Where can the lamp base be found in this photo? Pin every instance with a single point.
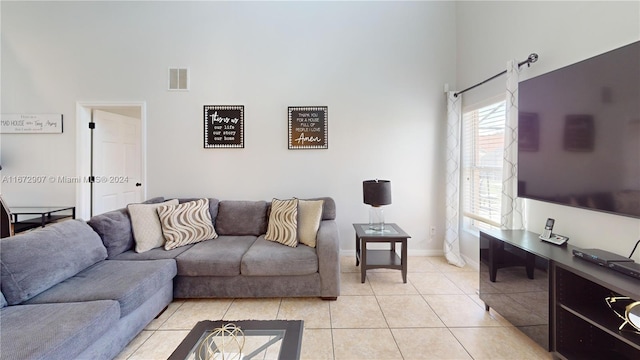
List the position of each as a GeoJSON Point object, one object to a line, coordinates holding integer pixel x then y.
{"type": "Point", "coordinates": [376, 218]}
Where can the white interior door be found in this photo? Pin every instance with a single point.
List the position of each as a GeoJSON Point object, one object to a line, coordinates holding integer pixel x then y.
{"type": "Point", "coordinates": [117, 165]}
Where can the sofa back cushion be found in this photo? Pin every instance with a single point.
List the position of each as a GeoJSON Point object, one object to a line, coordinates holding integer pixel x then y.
{"type": "Point", "coordinates": [35, 261]}
{"type": "Point", "coordinates": [114, 228]}
{"type": "Point", "coordinates": [241, 218]}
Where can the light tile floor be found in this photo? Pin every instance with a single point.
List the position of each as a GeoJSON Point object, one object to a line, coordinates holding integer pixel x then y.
{"type": "Point", "coordinates": [437, 314]}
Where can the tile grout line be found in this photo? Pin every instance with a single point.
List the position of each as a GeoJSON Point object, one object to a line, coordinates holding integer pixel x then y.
{"type": "Point", "coordinates": [439, 318]}
{"type": "Point", "coordinates": [388, 326]}
{"type": "Point", "coordinates": [459, 342]}
{"type": "Point", "coordinates": [440, 270]}
{"type": "Point", "coordinates": [333, 344]}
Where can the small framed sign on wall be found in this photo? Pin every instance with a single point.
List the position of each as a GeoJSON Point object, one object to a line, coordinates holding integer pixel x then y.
{"type": "Point", "coordinates": [224, 126]}
{"type": "Point", "coordinates": [308, 127]}
{"type": "Point", "coordinates": [31, 124]}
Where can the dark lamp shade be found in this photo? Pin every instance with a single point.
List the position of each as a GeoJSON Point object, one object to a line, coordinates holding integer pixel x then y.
{"type": "Point", "coordinates": [376, 192]}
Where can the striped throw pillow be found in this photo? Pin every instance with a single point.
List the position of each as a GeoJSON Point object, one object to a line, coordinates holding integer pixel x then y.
{"type": "Point", "coordinates": [283, 222]}
{"type": "Point", "coordinates": [186, 223]}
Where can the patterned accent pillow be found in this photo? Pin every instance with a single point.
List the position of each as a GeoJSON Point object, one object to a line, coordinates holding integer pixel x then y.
{"type": "Point", "coordinates": [147, 231]}
{"type": "Point", "coordinates": [186, 223]}
{"type": "Point", "coordinates": [309, 215]}
{"type": "Point", "coordinates": [283, 222]}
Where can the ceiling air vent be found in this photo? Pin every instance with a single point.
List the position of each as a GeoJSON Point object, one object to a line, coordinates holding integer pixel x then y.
{"type": "Point", "coordinates": [178, 79]}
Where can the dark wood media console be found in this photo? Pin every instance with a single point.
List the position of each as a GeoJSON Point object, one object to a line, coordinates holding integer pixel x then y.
{"type": "Point", "coordinates": [555, 298]}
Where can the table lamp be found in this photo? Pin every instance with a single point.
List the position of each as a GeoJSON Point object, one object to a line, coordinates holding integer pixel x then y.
{"type": "Point", "coordinates": [376, 193]}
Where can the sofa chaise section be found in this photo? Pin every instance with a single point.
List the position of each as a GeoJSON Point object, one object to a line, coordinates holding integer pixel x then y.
{"type": "Point", "coordinates": [130, 283]}
{"type": "Point", "coordinates": [102, 304]}
{"type": "Point", "coordinates": [54, 331]}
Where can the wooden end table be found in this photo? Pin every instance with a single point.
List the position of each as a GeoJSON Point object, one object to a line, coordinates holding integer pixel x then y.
{"type": "Point", "coordinates": [381, 259]}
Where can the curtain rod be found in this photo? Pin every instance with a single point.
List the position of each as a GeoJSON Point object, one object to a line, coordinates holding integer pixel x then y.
{"type": "Point", "coordinates": [533, 57]}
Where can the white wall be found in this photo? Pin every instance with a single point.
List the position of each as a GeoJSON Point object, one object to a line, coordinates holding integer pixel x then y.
{"type": "Point", "coordinates": [378, 66]}
{"type": "Point", "coordinates": [561, 33]}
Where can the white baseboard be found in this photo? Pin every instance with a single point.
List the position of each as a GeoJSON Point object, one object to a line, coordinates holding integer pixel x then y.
{"type": "Point", "coordinates": [471, 263]}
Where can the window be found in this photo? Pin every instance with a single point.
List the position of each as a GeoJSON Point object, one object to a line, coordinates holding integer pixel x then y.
{"type": "Point", "coordinates": [482, 156]}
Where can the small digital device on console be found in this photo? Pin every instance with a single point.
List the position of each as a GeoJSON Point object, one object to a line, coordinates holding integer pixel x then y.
{"type": "Point", "coordinates": [548, 229]}
{"type": "Point", "coordinates": [548, 235]}
{"type": "Point", "coordinates": [600, 257]}
{"type": "Point", "coordinates": [628, 268]}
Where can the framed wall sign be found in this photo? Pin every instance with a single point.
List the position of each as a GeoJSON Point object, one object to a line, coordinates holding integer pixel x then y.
{"type": "Point", "coordinates": [308, 127]}
{"type": "Point", "coordinates": [31, 124]}
{"type": "Point", "coordinates": [224, 126]}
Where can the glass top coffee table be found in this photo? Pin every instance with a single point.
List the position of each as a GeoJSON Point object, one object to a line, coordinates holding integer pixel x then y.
{"type": "Point", "coordinates": [268, 339]}
{"type": "Point", "coordinates": [46, 215]}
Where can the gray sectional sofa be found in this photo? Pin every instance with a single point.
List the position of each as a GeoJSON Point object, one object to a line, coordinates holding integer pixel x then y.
{"type": "Point", "coordinates": [78, 290]}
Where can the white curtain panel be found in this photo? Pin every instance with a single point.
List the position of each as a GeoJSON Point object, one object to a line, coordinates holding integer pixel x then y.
{"type": "Point", "coordinates": [512, 213]}
{"type": "Point", "coordinates": [452, 231]}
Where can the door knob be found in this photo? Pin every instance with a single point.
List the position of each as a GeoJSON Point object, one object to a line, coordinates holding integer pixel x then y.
{"type": "Point", "coordinates": [138, 184]}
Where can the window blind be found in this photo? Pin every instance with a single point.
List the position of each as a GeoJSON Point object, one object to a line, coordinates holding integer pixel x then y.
{"type": "Point", "coordinates": [482, 152]}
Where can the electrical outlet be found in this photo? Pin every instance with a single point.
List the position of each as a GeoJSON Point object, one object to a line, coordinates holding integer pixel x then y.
{"type": "Point", "coordinates": [433, 231]}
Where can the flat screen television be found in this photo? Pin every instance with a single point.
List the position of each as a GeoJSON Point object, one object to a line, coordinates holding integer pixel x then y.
{"type": "Point", "coordinates": [579, 134]}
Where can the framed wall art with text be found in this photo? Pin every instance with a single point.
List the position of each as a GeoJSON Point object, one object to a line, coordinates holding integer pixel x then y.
{"type": "Point", "coordinates": [224, 126]}
{"type": "Point", "coordinates": [308, 127]}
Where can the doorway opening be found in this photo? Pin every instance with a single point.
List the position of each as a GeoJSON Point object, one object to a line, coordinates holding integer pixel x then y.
{"type": "Point", "coordinates": [110, 156]}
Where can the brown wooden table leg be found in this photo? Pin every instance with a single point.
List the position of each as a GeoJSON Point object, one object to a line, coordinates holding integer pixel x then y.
{"type": "Point", "coordinates": [404, 260]}
{"type": "Point", "coordinates": [357, 250]}
{"type": "Point", "coordinates": [363, 266]}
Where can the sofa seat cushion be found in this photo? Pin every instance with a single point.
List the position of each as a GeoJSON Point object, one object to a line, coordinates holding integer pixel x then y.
{"type": "Point", "coordinates": [131, 283]}
{"type": "Point", "coordinates": [268, 258]}
{"type": "Point", "coordinates": [217, 257]}
{"type": "Point", "coordinates": [54, 331]}
{"type": "Point", "coordinates": [35, 261]}
{"type": "Point", "coordinates": [153, 254]}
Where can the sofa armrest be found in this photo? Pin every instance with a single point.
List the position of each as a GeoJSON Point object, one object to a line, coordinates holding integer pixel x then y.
{"type": "Point", "coordinates": [328, 250]}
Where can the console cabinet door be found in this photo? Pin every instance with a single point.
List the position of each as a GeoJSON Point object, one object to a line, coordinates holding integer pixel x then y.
{"type": "Point", "coordinates": [515, 283]}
